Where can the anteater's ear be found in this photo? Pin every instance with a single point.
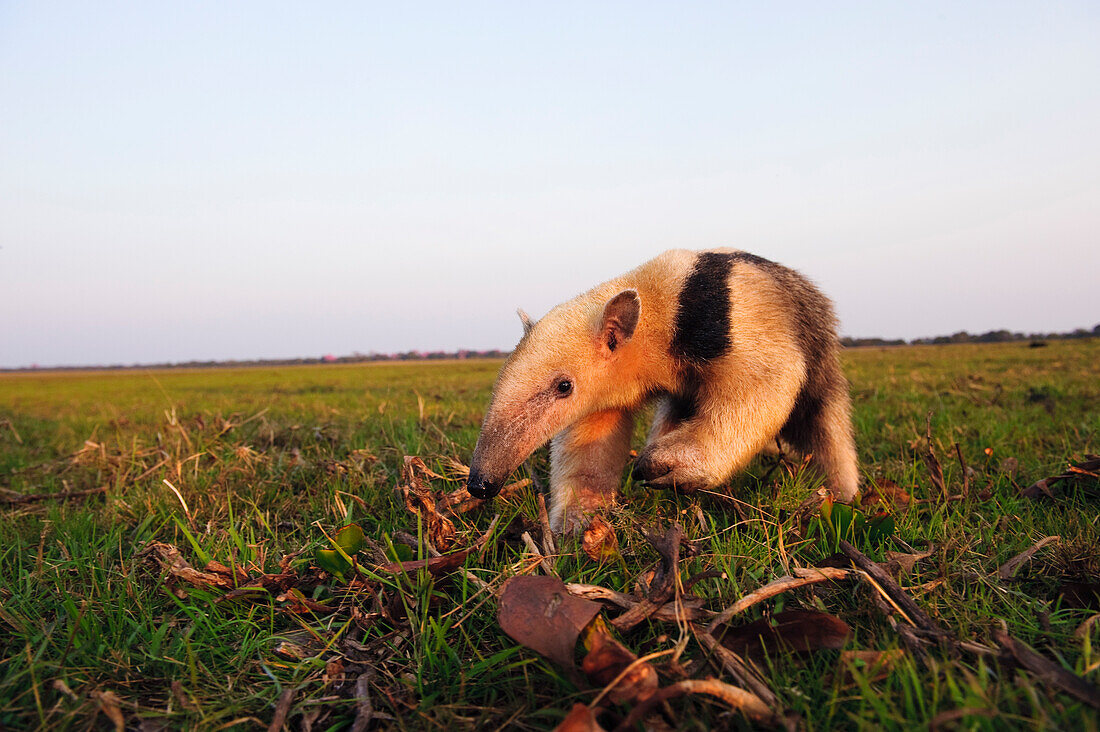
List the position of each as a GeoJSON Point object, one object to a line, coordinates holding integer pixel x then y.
{"type": "Point", "coordinates": [620, 318]}
{"type": "Point", "coordinates": [524, 318]}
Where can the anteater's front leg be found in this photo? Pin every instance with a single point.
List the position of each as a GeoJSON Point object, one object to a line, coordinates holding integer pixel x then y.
{"type": "Point", "coordinates": [586, 464]}
{"type": "Point", "coordinates": [730, 421]}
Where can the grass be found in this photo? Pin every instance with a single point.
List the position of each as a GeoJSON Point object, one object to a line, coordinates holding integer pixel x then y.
{"type": "Point", "coordinates": [269, 460]}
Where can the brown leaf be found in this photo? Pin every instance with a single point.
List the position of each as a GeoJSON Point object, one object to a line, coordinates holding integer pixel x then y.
{"type": "Point", "coordinates": [607, 658]}
{"type": "Point", "coordinates": [791, 630]}
{"type": "Point", "coordinates": [1089, 468]}
{"type": "Point", "coordinates": [580, 719]}
{"type": "Point", "coordinates": [599, 541]}
{"type": "Point", "coordinates": [298, 603]}
{"type": "Point", "coordinates": [886, 492]}
{"type": "Point", "coordinates": [292, 651]}
{"type": "Point", "coordinates": [170, 559]}
{"type": "Point", "coordinates": [538, 612]}
{"type": "Point", "coordinates": [419, 499]}
{"type": "Point", "coordinates": [435, 565]}
{"type": "Point", "coordinates": [873, 665]}
{"type": "Point", "coordinates": [108, 703]}
{"type": "Point", "coordinates": [334, 672]}
{"type": "Point", "coordinates": [899, 564]}
{"type": "Point", "coordinates": [1009, 569]}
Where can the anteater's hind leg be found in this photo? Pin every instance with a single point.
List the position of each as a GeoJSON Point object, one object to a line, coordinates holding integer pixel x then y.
{"type": "Point", "coordinates": [821, 425]}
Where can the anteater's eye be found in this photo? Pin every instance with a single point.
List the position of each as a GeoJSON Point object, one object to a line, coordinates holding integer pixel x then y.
{"type": "Point", "coordinates": [564, 387]}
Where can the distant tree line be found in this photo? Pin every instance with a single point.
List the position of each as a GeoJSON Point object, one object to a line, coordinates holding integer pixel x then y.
{"type": "Point", "coordinates": [304, 361]}
{"type": "Point", "coordinates": [993, 336]}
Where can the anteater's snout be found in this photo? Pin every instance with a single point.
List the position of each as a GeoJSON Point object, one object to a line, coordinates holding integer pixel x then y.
{"type": "Point", "coordinates": [481, 487]}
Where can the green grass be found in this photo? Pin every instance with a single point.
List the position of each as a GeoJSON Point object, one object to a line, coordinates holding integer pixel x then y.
{"type": "Point", "coordinates": [266, 458]}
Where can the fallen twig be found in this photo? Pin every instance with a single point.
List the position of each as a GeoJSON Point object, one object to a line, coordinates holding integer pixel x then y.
{"type": "Point", "coordinates": [1048, 671]}
{"type": "Point", "coordinates": [893, 591]}
{"type": "Point", "coordinates": [286, 699]}
{"type": "Point", "coordinates": [688, 610]}
{"type": "Point", "coordinates": [802, 576]}
{"type": "Point", "coordinates": [548, 544]}
{"type": "Point", "coordinates": [7, 423]}
{"type": "Point", "coordinates": [21, 498]}
{"type": "Point", "coordinates": [439, 563]}
{"type": "Point", "coordinates": [547, 567]}
{"type": "Point", "coordinates": [935, 470]}
{"type": "Point", "coordinates": [965, 470]}
{"type": "Point", "coordinates": [743, 701]}
{"type": "Point", "coordinates": [364, 710]}
{"type": "Point", "coordinates": [460, 500]}
{"type": "Point", "coordinates": [664, 579]}
{"type": "Point", "coordinates": [741, 670]}
{"type": "Point", "coordinates": [1008, 569]}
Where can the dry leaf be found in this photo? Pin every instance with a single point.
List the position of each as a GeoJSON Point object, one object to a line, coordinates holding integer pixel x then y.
{"type": "Point", "coordinates": [171, 560]}
{"type": "Point", "coordinates": [108, 703]}
{"type": "Point", "coordinates": [435, 565]}
{"type": "Point", "coordinates": [791, 630]}
{"type": "Point", "coordinates": [538, 612]}
{"type": "Point", "coordinates": [899, 564]}
{"type": "Point", "coordinates": [1085, 469]}
{"type": "Point", "coordinates": [420, 499]}
{"type": "Point", "coordinates": [607, 658]}
{"type": "Point", "coordinates": [292, 651]}
{"type": "Point", "coordinates": [886, 492]}
{"type": "Point", "coordinates": [873, 665]}
{"type": "Point", "coordinates": [580, 719]}
{"type": "Point", "coordinates": [599, 541]}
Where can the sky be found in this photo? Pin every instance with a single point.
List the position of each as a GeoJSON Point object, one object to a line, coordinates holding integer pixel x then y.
{"type": "Point", "coordinates": [245, 180]}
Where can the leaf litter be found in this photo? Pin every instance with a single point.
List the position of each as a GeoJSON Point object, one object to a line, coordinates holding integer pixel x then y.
{"type": "Point", "coordinates": [551, 617]}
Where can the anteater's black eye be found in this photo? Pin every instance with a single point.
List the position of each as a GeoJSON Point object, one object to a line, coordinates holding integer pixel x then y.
{"type": "Point", "coordinates": [565, 387]}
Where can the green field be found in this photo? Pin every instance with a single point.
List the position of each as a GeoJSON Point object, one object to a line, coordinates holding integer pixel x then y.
{"type": "Point", "coordinates": [272, 461]}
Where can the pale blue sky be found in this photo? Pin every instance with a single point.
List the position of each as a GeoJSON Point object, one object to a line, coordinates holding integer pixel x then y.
{"type": "Point", "coordinates": [240, 180]}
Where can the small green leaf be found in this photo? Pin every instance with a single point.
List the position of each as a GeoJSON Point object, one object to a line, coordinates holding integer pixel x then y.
{"type": "Point", "coordinates": [351, 538]}
{"type": "Point", "coordinates": [332, 562]}
{"type": "Point", "coordinates": [880, 528]}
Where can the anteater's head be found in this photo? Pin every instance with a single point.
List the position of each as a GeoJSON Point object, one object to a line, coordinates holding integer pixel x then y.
{"type": "Point", "coordinates": [568, 365]}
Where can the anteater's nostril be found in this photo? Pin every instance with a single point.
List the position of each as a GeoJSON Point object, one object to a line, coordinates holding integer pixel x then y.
{"type": "Point", "coordinates": [479, 487]}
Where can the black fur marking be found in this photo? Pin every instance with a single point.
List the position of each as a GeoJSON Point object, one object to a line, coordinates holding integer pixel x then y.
{"type": "Point", "coordinates": [682, 407]}
{"type": "Point", "coordinates": [703, 332]}
{"type": "Point", "coordinates": [803, 422]}
{"type": "Point", "coordinates": [814, 327]}
{"type": "Point", "coordinates": [703, 313]}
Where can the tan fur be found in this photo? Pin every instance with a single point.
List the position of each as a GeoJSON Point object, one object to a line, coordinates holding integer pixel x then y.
{"type": "Point", "coordinates": [741, 401]}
